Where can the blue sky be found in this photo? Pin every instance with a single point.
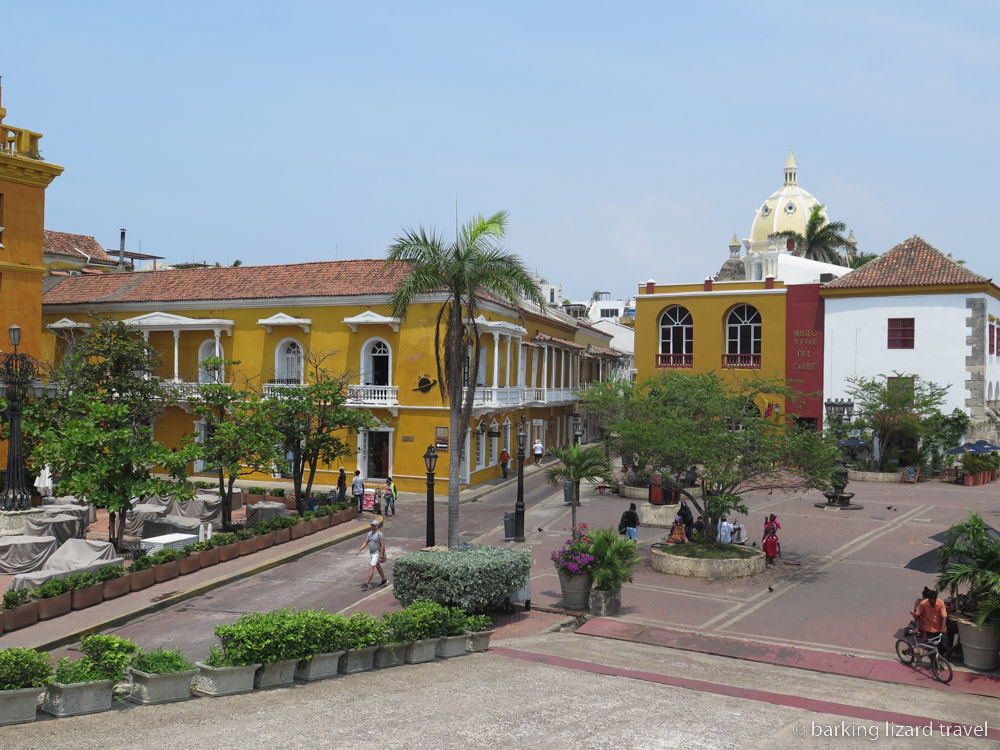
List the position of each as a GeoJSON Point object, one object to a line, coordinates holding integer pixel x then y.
{"type": "Point", "coordinates": [627, 140]}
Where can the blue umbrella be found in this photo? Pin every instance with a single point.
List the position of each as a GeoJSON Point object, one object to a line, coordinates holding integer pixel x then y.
{"type": "Point", "coordinates": [987, 445]}
{"type": "Point", "coordinates": [964, 448]}
{"type": "Point", "coordinates": [853, 442]}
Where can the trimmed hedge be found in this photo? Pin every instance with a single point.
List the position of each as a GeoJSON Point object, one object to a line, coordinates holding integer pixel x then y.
{"type": "Point", "coordinates": [475, 578]}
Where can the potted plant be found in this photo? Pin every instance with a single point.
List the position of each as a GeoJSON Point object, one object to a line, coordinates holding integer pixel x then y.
{"type": "Point", "coordinates": [308, 523]}
{"type": "Point", "coordinates": [210, 554]}
{"type": "Point", "coordinates": [190, 560]}
{"type": "Point", "coordinates": [401, 630]}
{"type": "Point", "coordinates": [456, 634]}
{"type": "Point", "coordinates": [295, 527]}
{"type": "Point", "coordinates": [573, 564]}
{"type": "Point", "coordinates": [970, 559]}
{"type": "Point", "coordinates": [326, 635]}
{"type": "Point", "coordinates": [363, 634]}
{"type": "Point", "coordinates": [246, 542]}
{"type": "Point", "coordinates": [114, 579]}
{"type": "Point", "coordinates": [221, 674]}
{"type": "Point", "coordinates": [165, 565]}
{"type": "Point", "coordinates": [429, 625]}
{"type": "Point", "coordinates": [54, 598]}
{"type": "Point", "coordinates": [254, 495]}
{"type": "Point", "coordinates": [141, 574]}
{"type": "Point", "coordinates": [480, 629]}
{"type": "Point", "coordinates": [615, 558]}
{"type": "Point", "coordinates": [87, 590]}
{"type": "Point", "coordinates": [346, 510]}
{"type": "Point", "coordinates": [263, 535]}
{"type": "Point", "coordinates": [20, 610]}
{"type": "Point", "coordinates": [282, 533]}
{"type": "Point", "coordinates": [85, 686]}
{"type": "Point", "coordinates": [267, 639]}
{"type": "Point", "coordinates": [227, 546]}
{"type": "Point", "coordinates": [322, 517]}
{"type": "Point", "coordinates": [161, 676]}
{"type": "Point", "coordinates": [24, 675]}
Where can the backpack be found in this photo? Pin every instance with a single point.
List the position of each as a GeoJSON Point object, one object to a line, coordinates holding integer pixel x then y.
{"type": "Point", "coordinates": [622, 524]}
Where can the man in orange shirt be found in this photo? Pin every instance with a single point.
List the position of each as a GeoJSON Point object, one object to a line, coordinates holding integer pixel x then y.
{"type": "Point", "coordinates": [934, 615]}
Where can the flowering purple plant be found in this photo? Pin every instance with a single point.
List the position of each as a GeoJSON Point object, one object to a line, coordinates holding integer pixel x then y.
{"type": "Point", "coordinates": [574, 558]}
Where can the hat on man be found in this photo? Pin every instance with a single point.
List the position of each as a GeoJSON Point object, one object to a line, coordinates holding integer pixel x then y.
{"type": "Point", "coordinates": [374, 522]}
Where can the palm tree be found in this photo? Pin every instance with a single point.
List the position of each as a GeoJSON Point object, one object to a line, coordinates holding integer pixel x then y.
{"type": "Point", "coordinates": [822, 240]}
{"type": "Point", "coordinates": [862, 258]}
{"type": "Point", "coordinates": [474, 264]}
{"type": "Point", "coordinates": [578, 464]}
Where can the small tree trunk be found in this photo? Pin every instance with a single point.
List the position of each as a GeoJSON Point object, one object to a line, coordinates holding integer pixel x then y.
{"type": "Point", "coordinates": [576, 501]}
{"type": "Point", "coordinates": [111, 527]}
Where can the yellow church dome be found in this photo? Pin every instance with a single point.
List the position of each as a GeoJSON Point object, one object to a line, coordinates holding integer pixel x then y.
{"type": "Point", "coordinates": [787, 209]}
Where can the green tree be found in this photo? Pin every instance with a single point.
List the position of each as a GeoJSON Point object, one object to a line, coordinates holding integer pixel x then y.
{"type": "Point", "coordinates": [239, 437]}
{"type": "Point", "coordinates": [579, 464]}
{"type": "Point", "coordinates": [97, 436]}
{"type": "Point", "coordinates": [822, 240]}
{"type": "Point", "coordinates": [673, 421]}
{"type": "Point", "coordinates": [474, 264]}
{"type": "Point", "coordinates": [896, 410]}
{"type": "Point", "coordinates": [313, 421]}
{"type": "Point", "coordinates": [862, 258]}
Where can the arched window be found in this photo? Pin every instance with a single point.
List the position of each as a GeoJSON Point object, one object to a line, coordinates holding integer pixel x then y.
{"type": "Point", "coordinates": [288, 361]}
{"type": "Point", "coordinates": [376, 363]}
{"type": "Point", "coordinates": [676, 338]}
{"type": "Point", "coordinates": [206, 350]}
{"type": "Point", "coordinates": [743, 333]}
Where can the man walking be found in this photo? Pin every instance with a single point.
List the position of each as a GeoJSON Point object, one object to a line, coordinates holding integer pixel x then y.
{"type": "Point", "coordinates": [537, 450]}
{"type": "Point", "coordinates": [358, 490]}
{"type": "Point", "coordinates": [375, 541]}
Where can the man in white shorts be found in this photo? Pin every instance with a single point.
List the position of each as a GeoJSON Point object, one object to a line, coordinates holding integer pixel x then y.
{"type": "Point", "coordinates": [375, 542]}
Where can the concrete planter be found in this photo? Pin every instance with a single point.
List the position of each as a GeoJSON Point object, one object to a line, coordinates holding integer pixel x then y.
{"type": "Point", "coordinates": [357, 660]}
{"type": "Point", "coordinates": [19, 706]}
{"type": "Point", "coordinates": [166, 571]}
{"type": "Point", "coordinates": [209, 557]}
{"type": "Point", "coordinates": [117, 587]}
{"type": "Point", "coordinates": [78, 698]}
{"type": "Point", "coordinates": [322, 522]}
{"type": "Point", "coordinates": [216, 681]}
{"type": "Point", "coordinates": [309, 526]}
{"type": "Point", "coordinates": [297, 531]}
{"type": "Point", "coordinates": [575, 590]}
{"type": "Point", "coordinates": [319, 667]}
{"type": "Point", "coordinates": [247, 546]}
{"type": "Point", "coordinates": [633, 493]}
{"type": "Point", "coordinates": [390, 655]}
{"type": "Point", "coordinates": [345, 515]}
{"type": "Point", "coordinates": [149, 689]}
{"type": "Point", "coordinates": [276, 674]}
{"type": "Point", "coordinates": [228, 552]}
{"type": "Point", "coordinates": [20, 617]}
{"type": "Point", "coordinates": [874, 476]}
{"type": "Point", "coordinates": [188, 565]}
{"type": "Point", "coordinates": [420, 651]}
{"type": "Point", "coordinates": [479, 641]}
{"type": "Point", "coordinates": [718, 570]}
{"type": "Point", "coordinates": [980, 646]}
{"type": "Point", "coordinates": [280, 536]}
{"type": "Point", "coordinates": [605, 603]}
{"type": "Point", "coordinates": [141, 579]}
{"type": "Point", "coordinates": [264, 541]}
{"type": "Point", "coordinates": [55, 606]}
{"type": "Point", "coordinates": [658, 516]}
{"type": "Point", "coordinates": [88, 597]}
{"type": "Point", "coordinates": [249, 499]}
{"type": "Point", "coordinates": [451, 645]}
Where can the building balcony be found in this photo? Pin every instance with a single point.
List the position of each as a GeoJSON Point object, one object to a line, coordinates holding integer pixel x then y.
{"type": "Point", "coordinates": [373, 395]}
{"type": "Point", "coordinates": [675, 360]}
{"type": "Point", "coordinates": [19, 142]}
{"type": "Point", "coordinates": [741, 361]}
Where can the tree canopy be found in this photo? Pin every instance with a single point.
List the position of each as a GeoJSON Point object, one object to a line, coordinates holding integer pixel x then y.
{"type": "Point", "coordinates": [822, 240]}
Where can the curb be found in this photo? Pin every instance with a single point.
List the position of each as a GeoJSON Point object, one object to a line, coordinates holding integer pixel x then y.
{"type": "Point", "coordinates": [167, 601]}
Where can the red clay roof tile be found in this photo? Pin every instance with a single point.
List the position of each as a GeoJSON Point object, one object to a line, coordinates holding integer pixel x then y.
{"type": "Point", "coordinates": [79, 246]}
{"type": "Point", "coordinates": [911, 263]}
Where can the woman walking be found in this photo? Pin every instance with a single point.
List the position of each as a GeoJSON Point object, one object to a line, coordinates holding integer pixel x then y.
{"type": "Point", "coordinates": [770, 541]}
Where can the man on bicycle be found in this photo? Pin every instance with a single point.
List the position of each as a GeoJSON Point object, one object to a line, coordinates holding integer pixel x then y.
{"type": "Point", "coordinates": [932, 613]}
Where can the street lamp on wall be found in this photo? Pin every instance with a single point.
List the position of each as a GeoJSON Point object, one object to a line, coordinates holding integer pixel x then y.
{"type": "Point", "coordinates": [430, 462]}
{"type": "Point", "coordinates": [522, 439]}
{"type": "Point", "coordinates": [577, 428]}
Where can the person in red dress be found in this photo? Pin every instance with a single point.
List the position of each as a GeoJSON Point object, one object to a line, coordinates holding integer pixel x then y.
{"type": "Point", "coordinates": [770, 541]}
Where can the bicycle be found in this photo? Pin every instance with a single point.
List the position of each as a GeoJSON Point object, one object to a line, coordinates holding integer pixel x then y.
{"type": "Point", "coordinates": [913, 651]}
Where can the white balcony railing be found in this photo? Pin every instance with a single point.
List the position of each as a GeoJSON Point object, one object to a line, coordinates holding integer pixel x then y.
{"type": "Point", "coordinates": [486, 396]}
{"type": "Point", "coordinates": [268, 389]}
{"type": "Point", "coordinates": [373, 395]}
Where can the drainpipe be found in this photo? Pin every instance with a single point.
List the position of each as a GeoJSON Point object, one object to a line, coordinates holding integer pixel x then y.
{"type": "Point", "coordinates": [121, 253]}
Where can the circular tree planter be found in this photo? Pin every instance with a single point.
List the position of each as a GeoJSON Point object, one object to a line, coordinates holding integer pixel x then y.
{"type": "Point", "coordinates": [575, 590]}
{"type": "Point", "coordinates": [664, 561]}
{"type": "Point", "coordinates": [633, 493]}
{"type": "Point", "coordinates": [980, 646]}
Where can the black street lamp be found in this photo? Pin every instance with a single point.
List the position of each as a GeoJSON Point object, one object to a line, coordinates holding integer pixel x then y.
{"type": "Point", "coordinates": [17, 371]}
{"type": "Point", "coordinates": [837, 410]}
{"type": "Point", "coordinates": [522, 438]}
{"type": "Point", "coordinates": [430, 461]}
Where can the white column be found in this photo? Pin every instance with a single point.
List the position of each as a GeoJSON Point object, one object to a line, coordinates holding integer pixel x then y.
{"type": "Point", "coordinates": [545, 366]}
{"type": "Point", "coordinates": [510, 341]}
{"type": "Point", "coordinates": [496, 360]}
{"type": "Point", "coordinates": [565, 372]}
{"type": "Point", "coordinates": [218, 346]}
{"type": "Point", "coordinates": [177, 340]}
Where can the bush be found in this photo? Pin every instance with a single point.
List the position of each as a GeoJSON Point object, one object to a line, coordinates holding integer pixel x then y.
{"type": "Point", "coordinates": [262, 528]}
{"type": "Point", "coordinates": [363, 630]}
{"type": "Point", "coordinates": [243, 534]}
{"type": "Point", "coordinates": [51, 588]}
{"type": "Point", "coordinates": [166, 555]}
{"type": "Point", "coordinates": [479, 623]}
{"type": "Point", "coordinates": [456, 621]}
{"type": "Point", "coordinates": [141, 563]}
{"type": "Point", "coordinates": [279, 492]}
{"type": "Point", "coordinates": [615, 558]}
{"type": "Point", "coordinates": [195, 547]}
{"type": "Point", "coordinates": [474, 578]}
{"type": "Point", "coordinates": [255, 491]}
{"type": "Point", "coordinates": [262, 637]}
{"type": "Point", "coordinates": [105, 657]}
{"type": "Point", "coordinates": [110, 572]}
{"type": "Point", "coordinates": [17, 597]}
{"type": "Point", "coordinates": [323, 510]}
{"type": "Point", "coordinates": [24, 668]}
{"type": "Point", "coordinates": [81, 580]}
{"type": "Point", "coordinates": [321, 633]}
{"type": "Point", "coordinates": [161, 661]}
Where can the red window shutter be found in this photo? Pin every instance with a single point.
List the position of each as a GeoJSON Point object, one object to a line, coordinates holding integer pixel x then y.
{"type": "Point", "coordinates": [992, 338]}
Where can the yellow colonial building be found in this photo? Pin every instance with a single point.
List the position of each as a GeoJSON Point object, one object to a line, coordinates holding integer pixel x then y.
{"type": "Point", "coordinates": [281, 322]}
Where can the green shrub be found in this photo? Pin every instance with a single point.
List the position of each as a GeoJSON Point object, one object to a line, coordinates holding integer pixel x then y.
{"type": "Point", "coordinates": [81, 580]}
{"type": "Point", "coordinates": [456, 621]}
{"type": "Point", "coordinates": [141, 563]}
{"type": "Point", "coordinates": [110, 572]}
{"type": "Point", "coordinates": [51, 588]}
{"type": "Point", "coordinates": [255, 491]}
{"type": "Point", "coordinates": [308, 516]}
{"type": "Point", "coordinates": [475, 578]}
{"type": "Point", "coordinates": [243, 534]}
{"type": "Point", "coordinates": [17, 597]}
{"type": "Point", "coordinates": [105, 657]}
{"type": "Point", "coordinates": [24, 668]}
{"type": "Point", "coordinates": [278, 492]}
{"type": "Point", "coordinates": [223, 540]}
{"type": "Point", "coordinates": [161, 661]}
{"type": "Point", "coordinates": [323, 510]}
{"type": "Point", "coordinates": [262, 528]}
{"type": "Point", "coordinates": [195, 547]}
{"type": "Point", "coordinates": [262, 637]}
{"type": "Point", "coordinates": [166, 555]}
{"type": "Point", "coordinates": [363, 630]}
{"type": "Point", "coordinates": [479, 623]}
{"type": "Point", "coordinates": [204, 486]}
{"type": "Point", "coordinates": [615, 558]}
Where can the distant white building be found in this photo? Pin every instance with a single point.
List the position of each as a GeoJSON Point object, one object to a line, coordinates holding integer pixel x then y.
{"type": "Point", "coordinates": [551, 293]}
{"type": "Point", "coordinates": [605, 308]}
{"type": "Point", "coordinates": [623, 342]}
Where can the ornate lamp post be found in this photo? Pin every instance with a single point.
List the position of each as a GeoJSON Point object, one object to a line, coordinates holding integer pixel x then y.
{"type": "Point", "coordinates": [430, 461]}
{"type": "Point", "coordinates": [522, 438]}
{"type": "Point", "coordinates": [837, 409]}
{"type": "Point", "coordinates": [17, 371]}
